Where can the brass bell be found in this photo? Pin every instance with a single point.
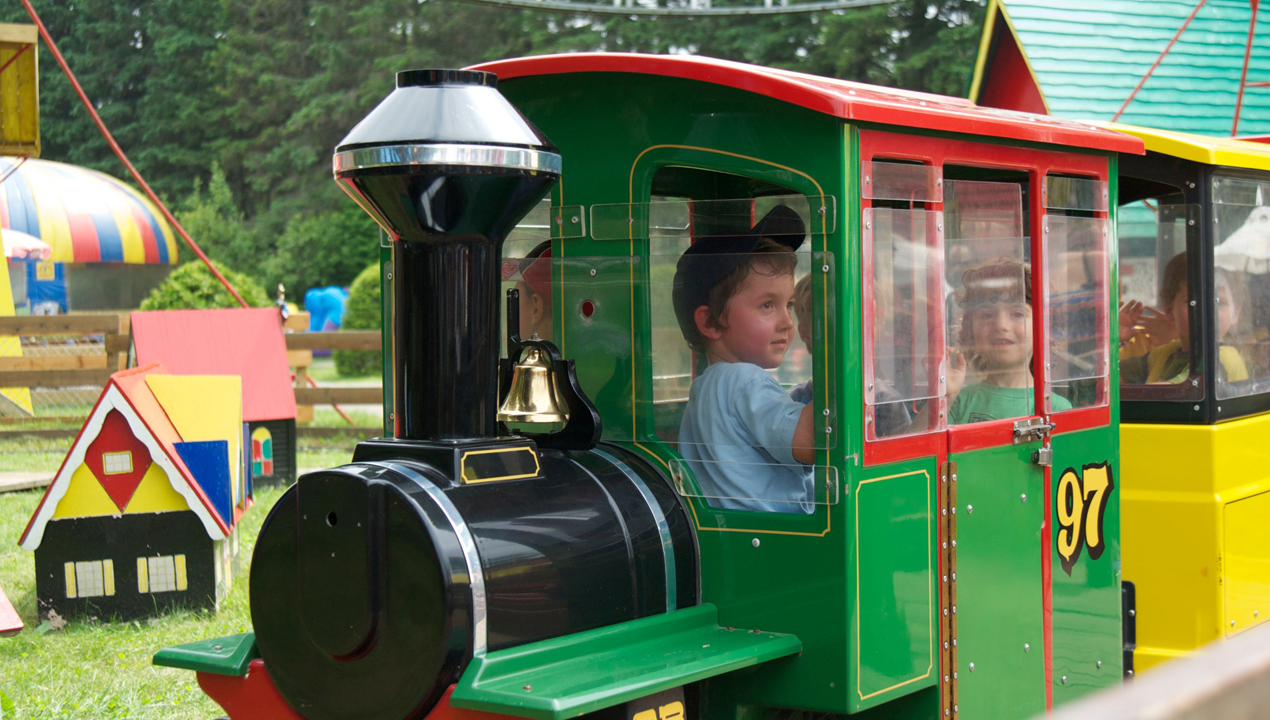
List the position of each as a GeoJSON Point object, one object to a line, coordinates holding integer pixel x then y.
{"type": "Point", "coordinates": [533, 396]}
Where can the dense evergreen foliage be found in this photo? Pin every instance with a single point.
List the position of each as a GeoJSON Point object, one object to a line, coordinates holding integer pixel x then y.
{"type": "Point", "coordinates": [231, 108]}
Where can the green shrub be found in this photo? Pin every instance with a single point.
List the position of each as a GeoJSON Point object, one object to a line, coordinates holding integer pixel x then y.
{"type": "Point", "coordinates": [192, 286]}
{"type": "Point", "coordinates": [363, 312]}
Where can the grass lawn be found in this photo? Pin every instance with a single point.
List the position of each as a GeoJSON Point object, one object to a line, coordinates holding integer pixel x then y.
{"type": "Point", "coordinates": [323, 371]}
{"type": "Point", "coordinates": [102, 669]}
{"type": "Point", "coordinates": [28, 453]}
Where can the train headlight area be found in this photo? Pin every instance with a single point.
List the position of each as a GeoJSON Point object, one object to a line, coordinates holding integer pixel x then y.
{"type": "Point", "coordinates": [891, 483]}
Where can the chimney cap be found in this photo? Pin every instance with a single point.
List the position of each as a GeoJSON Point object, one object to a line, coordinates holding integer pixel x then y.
{"type": "Point", "coordinates": [434, 77]}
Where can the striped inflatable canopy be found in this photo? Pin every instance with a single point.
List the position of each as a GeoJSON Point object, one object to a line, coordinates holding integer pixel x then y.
{"type": "Point", "coordinates": [87, 216]}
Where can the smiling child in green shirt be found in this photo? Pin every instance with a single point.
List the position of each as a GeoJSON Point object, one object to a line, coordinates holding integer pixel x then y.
{"type": "Point", "coordinates": [996, 330]}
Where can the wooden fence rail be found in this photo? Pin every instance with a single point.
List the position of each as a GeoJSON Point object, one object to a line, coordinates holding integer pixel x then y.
{"type": "Point", "coordinates": [92, 365]}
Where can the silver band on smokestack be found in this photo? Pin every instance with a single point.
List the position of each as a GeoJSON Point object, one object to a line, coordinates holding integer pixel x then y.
{"type": "Point", "coordinates": [489, 156]}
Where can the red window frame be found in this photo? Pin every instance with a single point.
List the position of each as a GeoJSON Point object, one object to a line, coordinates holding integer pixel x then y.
{"type": "Point", "coordinates": [881, 146]}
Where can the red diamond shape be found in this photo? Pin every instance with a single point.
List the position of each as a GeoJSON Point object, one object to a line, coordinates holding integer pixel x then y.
{"type": "Point", "coordinates": [115, 439]}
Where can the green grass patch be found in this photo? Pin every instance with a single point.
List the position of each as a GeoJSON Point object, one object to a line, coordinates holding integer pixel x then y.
{"type": "Point", "coordinates": [27, 453]}
{"type": "Point", "coordinates": [102, 669]}
{"type": "Point", "coordinates": [327, 417]}
{"type": "Point", "coordinates": [323, 371]}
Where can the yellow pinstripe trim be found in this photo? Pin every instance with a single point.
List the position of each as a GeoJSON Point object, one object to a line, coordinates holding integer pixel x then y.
{"type": "Point", "coordinates": [930, 590]}
{"type": "Point", "coordinates": [985, 43]}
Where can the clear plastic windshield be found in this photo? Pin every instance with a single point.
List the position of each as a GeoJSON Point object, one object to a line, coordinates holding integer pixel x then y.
{"type": "Point", "coordinates": [681, 217]}
{"type": "Point", "coordinates": [904, 368]}
{"type": "Point", "coordinates": [1076, 311]}
{"type": "Point", "coordinates": [1155, 359]}
{"type": "Point", "coordinates": [758, 487]}
{"type": "Point", "coordinates": [1241, 256]}
{"type": "Point", "coordinates": [753, 344]}
{"type": "Point", "coordinates": [988, 304]}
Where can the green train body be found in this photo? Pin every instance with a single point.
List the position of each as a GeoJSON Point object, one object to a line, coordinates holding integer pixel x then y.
{"type": "Point", "coordinates": [945, 569]}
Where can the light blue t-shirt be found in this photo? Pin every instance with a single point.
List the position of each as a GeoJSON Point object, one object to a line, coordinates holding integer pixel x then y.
{"type": "Point", "coordinates": [740, 425]}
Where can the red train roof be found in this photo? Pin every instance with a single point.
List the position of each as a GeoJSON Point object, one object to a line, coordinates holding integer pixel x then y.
{"type": "Point", "coordinates": [840, 98]}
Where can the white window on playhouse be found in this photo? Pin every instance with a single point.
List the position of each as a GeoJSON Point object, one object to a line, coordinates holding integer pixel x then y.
{"type": "Point", "coordinates": [117, 463]}
{"type": "Point", "coordinates": [165, 573]}
{"type": "Point", "coordinates": [93, 578]}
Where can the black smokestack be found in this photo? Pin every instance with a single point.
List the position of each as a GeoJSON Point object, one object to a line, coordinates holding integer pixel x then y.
{"type": "Point", "coordinates": [447, 167]}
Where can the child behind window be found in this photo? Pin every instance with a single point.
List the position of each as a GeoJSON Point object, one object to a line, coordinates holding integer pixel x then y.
{"type": "Point", "coordinates": [733, 296]}
{"type": "Point", "coordinates": [1169, 362]}
{"type": "Point", "coordinates": [996, 330]}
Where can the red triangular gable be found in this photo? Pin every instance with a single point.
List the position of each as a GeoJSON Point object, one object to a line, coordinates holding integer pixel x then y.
{"type": "Point", "coordinates": [136, 393]}
{"type": "Point", "coordinates": [241, 341]}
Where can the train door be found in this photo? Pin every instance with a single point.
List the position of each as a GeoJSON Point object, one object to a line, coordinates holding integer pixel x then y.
{"type": "Point", "coordinates": [998, 353]}
{"type": "Point", "coordinates": [996, 487]}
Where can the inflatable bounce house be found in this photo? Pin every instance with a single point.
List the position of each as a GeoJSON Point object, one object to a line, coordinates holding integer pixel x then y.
{"type": "Point", "coordinates": [142, 515]}
{"type": "Point", "coordinates": [110, 246]}
{"type": "Point", "coordinates": [246, 342]}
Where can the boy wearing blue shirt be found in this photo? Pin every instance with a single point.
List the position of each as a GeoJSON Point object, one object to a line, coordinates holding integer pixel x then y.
{"type": "Point", "coordinates": [749, 444]}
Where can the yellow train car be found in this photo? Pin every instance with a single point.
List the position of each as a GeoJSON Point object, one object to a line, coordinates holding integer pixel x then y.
{"type": "Point", "coordinates": [1194, 361]}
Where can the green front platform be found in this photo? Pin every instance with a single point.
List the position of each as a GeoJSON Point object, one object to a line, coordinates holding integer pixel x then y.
{"type": "Point", "coordinates": [566, 677]}
{"type": "Point", "coordinates": [222, 656]}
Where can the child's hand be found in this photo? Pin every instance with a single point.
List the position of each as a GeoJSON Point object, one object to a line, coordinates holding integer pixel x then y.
{"type": "Point", "coordinates": [1158, 326]}
{"type": "Point", "coordinates": [956, 374]}
{"type": "Point", "coordinates": [1129, 314]}
{"type": "Point", "coordinates": [1138, 319]}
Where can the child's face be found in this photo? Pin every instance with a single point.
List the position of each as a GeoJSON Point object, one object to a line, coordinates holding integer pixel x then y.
{"type": "Point", "coordinates": [757, 324]}
{"type": "Point", "coordinates": [1227, 313]}
{"type": "Point", "coordinates": [1003, 335]}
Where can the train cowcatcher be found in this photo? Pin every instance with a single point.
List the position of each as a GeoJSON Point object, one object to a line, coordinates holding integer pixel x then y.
{"type": "Point", "coordinates": [535, 539]}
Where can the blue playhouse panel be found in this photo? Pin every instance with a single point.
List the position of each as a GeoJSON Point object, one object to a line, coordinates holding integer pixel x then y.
{"type": "Point", "coordinates": [49, 290]}
{"type": "Point", "coordinates": [208, 460]}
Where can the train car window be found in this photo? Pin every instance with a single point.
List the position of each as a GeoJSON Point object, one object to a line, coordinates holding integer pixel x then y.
{"type": "Point", "coordinates": [730, 387]}
{"type": "Point", "coordinates": [987, 297]}
{"type": "Point", "coordinates": [1154, 226]}
{"type": "Point", "coordinates": [903, 240]}
{"type": "Point", "coordinates": [904, 267]}
{"type": "Point", "coordinates": [1076, 244]}
{"type": "Point", "coordinates": [1241, 284]}
{"type": "Point", "coordinates": [1076, 311]}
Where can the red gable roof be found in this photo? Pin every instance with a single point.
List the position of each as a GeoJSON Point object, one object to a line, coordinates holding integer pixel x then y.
{"type": "Point", "coordinates": [241, 341]}
{"type": "Point", "coordinates": [840, 98]}
{"type": "Point", "coordinates": [131, 384]}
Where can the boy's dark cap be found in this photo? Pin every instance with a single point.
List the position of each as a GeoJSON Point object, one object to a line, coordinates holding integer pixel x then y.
{"type": "Point", "coordinates": [711, 259]}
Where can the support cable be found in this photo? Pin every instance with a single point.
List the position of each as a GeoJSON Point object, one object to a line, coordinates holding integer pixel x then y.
{"type": "Point", "coordinates": [88, 105]}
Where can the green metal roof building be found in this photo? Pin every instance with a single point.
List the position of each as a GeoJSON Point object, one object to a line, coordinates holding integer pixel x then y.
{"type": "Point", "coordinates": [1185, 65]}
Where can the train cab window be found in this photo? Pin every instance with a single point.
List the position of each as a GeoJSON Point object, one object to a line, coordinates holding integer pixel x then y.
{"type": "Point", "coordinates": [902, 236]}
{"type": "Point", "coordinates": [987, 297]}
{"type": "Point", "coordinates": [733, 313]}
{"type": "Point", "coordinates": [1076, 240]}
{"type": "Point", "coordinates": [1241, 285]}
{"type": "Point", "coordinates": [1156, 343]}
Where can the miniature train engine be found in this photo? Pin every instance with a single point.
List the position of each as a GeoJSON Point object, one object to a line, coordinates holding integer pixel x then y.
{"type": "Point", "coordinates": [375, 583]}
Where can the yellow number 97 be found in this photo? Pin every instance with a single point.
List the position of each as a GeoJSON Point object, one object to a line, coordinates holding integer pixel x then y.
{"type": "Point", "coordinates": [1080, 507]}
